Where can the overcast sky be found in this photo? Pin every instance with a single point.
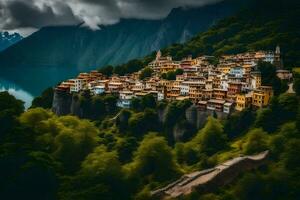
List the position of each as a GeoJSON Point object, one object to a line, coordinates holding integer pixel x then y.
{"type": "Point", "coordinates": [26, 16]}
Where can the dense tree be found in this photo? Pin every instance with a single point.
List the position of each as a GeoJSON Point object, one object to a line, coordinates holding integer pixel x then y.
{"type": "Point", "coordinates": [122, 120]}
{"type": "Point", "coordinates": [9, 102]}
{"type": "Point", "coordinates": [148, 101]}
{"type": "Point", "coordinates": [146, 73]}
{"type": "Point", "coordinates": [269, 77]}
{"type": "Point", "coordinates": [136, 104]}
{"type": "Point", "coordinates": [179, 71]}
{"type": "Point", "coordinates": [266, 119]}
{"type": "Point", "coordinates": [211, 138]}
{"type": "Point", "coordinates": [107, 70]}
{"type": "Point", "coordinates": [237, 122]}
{"type": "Point", "coordinates": [88, 162]}
{"type": "Point", "coordinates": [45, 100]}
{"type": "Point", "coordinates": [154, 157]}
{"type": "Point", "coordinates": [208, 141]}
{"type": "Point", "coordinates": [105, 164]}
{"type": "Point", "coordinates": [10, 108]}
{"type": "Point", "coordinates": [287, 106]}
{"type": "Point", "coordinates": [125, 148]}
{"type": "Point", "coordinates": [296, 83]}
{"type": "Point", "coordinates": [100, 175]}
{"type": "Point", "coordinates": [291, 157]}
{"type": "Point", "coordinates": [143, 122]}
{"type": "Point", "coordinates": [175, 112]}
{"type": "Point", "coordinates": [171, 75]}
{"type": "Point", "coordinates": [129, 67]}
{"type": "Point", "coordinates": [74, 141]}
{"type": "Point", "coordinates": [256, 142]}
{"type": "Point", "coordinates": [98, 107]}
{"type": "Point", "coordinates": [28, 176]}
{"type": "Point", "coordinates": [110, 103]}
{"type": "Point", "coordinates": [140, 104]}
{"type": "Point", "coordinates": [34, 116]}
{"type": "Point", "coordinates": [270, 184]}
{"type": "Point", "coordinates": [282, 109]}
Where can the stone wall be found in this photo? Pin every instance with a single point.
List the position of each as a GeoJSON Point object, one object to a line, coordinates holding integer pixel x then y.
{"type": "Point", "coordinates": [209, 180]}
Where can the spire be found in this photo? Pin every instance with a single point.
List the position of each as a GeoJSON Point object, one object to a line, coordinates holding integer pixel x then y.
{"type": "Point", "coordinates": [158, 55]}
{"type": "Point", "coordinates": [277, 50]}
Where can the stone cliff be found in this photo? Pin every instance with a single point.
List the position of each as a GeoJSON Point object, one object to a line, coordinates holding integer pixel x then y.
{"type": "Point", "coordinates": [193, 119]}
{"type": "Point", "coordinates": [67, 104]}
{"type": "Point", "coordinates": [61, 103]}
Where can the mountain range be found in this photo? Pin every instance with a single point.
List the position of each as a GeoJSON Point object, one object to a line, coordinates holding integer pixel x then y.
{"type": "Point", "coordinates": [81, 48]}
{"type": "Point", "coordinates": [7, 39]}
{"type": "Point", "coordinates": [263, 25]}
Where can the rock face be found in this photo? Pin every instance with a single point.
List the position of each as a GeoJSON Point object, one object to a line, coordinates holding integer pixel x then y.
{"type": "Point", "coordinates": [67, 104]}
{"type": "Point", "coordinates": [61, 103]}
{"type": "Point", "coordinates": [197, 118]}
{"type": "Point", "coordinates": [210, 179]}
{"type": "Point", "coordinates": [188, 123]}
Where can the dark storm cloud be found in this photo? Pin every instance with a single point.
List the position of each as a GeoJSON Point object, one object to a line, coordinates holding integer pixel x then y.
{"type": "Point", "coordinates": [149, 9]}
{"type": "Point", "coordinates": [18, 14]}
{"type": "Point", "coordinates": [27, 14]}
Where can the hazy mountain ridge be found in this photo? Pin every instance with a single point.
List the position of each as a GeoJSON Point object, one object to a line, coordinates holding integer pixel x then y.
{"type": "Point", "coordinates": [7, 39]}
{"type": "Point", "coordinates": [262, 26]}
{"type": "Point", "coordinates": [81, 48]}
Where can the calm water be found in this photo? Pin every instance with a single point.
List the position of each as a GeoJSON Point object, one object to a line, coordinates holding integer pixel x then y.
{"type": "Point", "coordinates": [25, 84]}
{"type": "Point", "coordinates": [17, 91]}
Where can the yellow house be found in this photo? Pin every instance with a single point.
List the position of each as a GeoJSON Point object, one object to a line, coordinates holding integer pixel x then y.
{"type": "Point", "coordinates": [247, 68]}
{"type": "Point", "coordinates": [224, 69]}
{"type": "Point", "coordinates": [255, 80]}
{"type": "Point", "coordinates": [243, 101]}
{"type": "Point", "coordinates": [168, 67]}
{"type": "Point", "coordinates": [262, 96]}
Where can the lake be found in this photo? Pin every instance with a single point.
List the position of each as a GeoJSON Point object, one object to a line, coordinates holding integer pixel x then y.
{"type": "Point", "coordinates": [25, 84]}
{"type": "Point", "coordinates": [16, 91]}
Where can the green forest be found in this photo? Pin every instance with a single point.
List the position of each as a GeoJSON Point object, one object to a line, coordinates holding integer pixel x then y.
{"type": "Point", "coordinates": [125, 154]}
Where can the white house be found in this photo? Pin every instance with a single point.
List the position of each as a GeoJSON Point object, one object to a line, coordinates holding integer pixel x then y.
{"type": "Point", "coordinates": [227, 107]}
{"type": "Point", "coordinates": [184, 89]}
{"type": "Point", "coordinates": [224, 84]}
{"type": "Point", "coordinates": [269, 57]}
{"type": "Point", "coordinates": [99, 89]}
{"type": "Point", "coordinates": [76, 85]}
{"type": "Point", "coordinates": [125, 98]}
{"type": "Point", "coordinates": [237, 72]}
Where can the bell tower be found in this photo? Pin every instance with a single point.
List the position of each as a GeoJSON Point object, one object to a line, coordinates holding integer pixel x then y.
{"type": "Point", "coordinates": [277, 52]}
{"type": "Point", "coordinates": [158, 55]}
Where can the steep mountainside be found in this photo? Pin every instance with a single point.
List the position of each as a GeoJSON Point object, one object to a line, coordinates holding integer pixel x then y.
{"type": "Point", "coordinates": [263, 25]}
{"type": "Point", "coordinates": [81, 48]}
{"type": "Point", "coordinates": [7, 39]}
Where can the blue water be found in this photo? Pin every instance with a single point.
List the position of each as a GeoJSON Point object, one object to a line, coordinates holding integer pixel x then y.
{"type": "Point", "coordinates": [16, 91]}
{"type": "Point", "coordinates": [25, 84]}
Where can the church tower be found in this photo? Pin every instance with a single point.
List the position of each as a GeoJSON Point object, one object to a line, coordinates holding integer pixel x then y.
{"type": "Point", "coordinates": [277, 50]}
{"type": "Point", "coordinates": [158, 55]}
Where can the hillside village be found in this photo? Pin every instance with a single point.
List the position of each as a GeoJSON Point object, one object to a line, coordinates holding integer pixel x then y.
{"type": "Point", "coordinates": [234, 83]}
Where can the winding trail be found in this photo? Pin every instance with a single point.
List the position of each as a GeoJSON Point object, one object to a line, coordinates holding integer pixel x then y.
{"type": "Point", "coordinates": [210, 179]}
